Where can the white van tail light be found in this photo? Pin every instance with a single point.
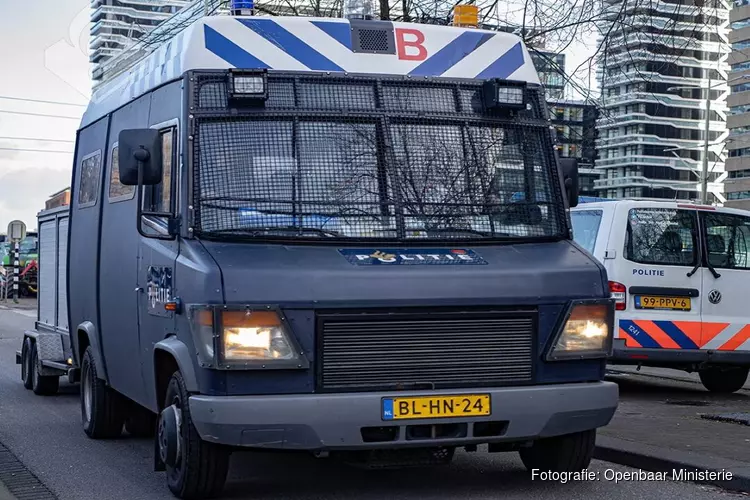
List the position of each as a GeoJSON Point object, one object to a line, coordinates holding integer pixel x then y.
{"type": "Point", "coordinates": [618, 292]}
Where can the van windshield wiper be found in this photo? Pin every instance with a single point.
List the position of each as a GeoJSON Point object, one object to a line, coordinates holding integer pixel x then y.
{"type": "Point", "coordinates": [486, 234]}
{"type": "Point", "coordinates": [256, 231]}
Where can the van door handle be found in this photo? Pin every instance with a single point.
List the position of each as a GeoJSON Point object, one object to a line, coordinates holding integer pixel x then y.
{"type": "Point", "coordinates": [138, 289]}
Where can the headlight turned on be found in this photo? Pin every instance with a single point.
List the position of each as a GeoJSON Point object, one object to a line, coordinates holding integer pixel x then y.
{"type": "Point", "coordinates": [250, 336]}
{"type": "Point", "coordinates": [586, 333]}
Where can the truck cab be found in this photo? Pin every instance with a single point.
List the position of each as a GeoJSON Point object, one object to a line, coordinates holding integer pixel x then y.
{"type": "Point", "coordinates": [344, 237]}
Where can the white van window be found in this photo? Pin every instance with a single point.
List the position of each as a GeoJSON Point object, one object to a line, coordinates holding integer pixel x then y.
{"type": "Point", "coordinates": [661, 236]}
{"type": "Point", "coordinates": [586, 227]}
{"type": "Point", "coordinates": [727, 238]}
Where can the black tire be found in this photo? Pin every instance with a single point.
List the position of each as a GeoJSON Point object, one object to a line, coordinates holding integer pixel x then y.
{"type": "Point", "coordinates": [101, 407]}
{"type": "Point", "coordinates": [140, 422]}
{"type": "Point", "coordinates": [724, 380]}
{"type": "Point", "coordinates": [26, 363]}
{"type": "Point", "coordinates": [42, 385]}
{"type": "Point", "coordinates": [201, 469]}
{"type": "Point", "coordinates": [567, 453]}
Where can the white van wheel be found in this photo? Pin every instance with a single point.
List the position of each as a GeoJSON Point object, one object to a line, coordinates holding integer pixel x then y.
{"type": "Point", "coordinates": [724, 380]}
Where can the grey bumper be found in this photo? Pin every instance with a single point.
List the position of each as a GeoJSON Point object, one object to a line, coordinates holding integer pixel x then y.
{"type": "Point", "coordinates": [336, 421]}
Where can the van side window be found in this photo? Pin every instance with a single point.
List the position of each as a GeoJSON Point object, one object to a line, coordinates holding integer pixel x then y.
{"type": "Point", "coordinates": [158, 198]}
{"type": "Point", "coordinates": [118, 191]}
{"type": "Point", "coordinates": [727, 239]}
{"type": "Point", "coordinates": [586, 227]}
{"type": "Point", "coordinates": [88, 187]}
{"type": "Point", "coordinates": [661, 236]}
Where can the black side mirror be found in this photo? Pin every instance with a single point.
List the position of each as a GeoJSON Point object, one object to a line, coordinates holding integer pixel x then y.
{"type": "Point", "coordinates": [140, 152]}
{"type": "Point", "coordinates": [569, 168]}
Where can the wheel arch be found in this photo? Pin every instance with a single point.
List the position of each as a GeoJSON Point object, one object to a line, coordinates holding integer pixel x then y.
{"type": "Point", "coordinates": [171, 355]}
{"type": "Point", "coordinates": [87, 336]}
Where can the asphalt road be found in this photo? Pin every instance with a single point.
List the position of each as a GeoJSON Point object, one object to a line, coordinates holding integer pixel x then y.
{"type": "Point", "coordinates": [45, 434]}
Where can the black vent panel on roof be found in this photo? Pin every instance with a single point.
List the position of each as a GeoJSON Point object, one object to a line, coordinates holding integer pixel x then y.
{"type": "Point", "coordinates": [374, 351]}
{"type": "Point", "coordinates": [372, 37]}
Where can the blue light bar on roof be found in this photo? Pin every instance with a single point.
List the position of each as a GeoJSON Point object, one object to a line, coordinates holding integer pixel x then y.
{"type": "Point", "coordinates": [240, 5]}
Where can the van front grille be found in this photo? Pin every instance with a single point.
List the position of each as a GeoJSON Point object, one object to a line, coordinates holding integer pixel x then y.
{"type": "Point", "coordinates": [391, 351]}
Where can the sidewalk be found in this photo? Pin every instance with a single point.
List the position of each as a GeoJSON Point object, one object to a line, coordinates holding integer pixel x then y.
{"type": "Point", "coordinates": [666, 424]}
{"type": "Point", "coordinates": [26, 304]}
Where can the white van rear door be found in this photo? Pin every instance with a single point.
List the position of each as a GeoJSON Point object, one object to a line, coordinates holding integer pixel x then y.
{"type": "Point", "coordinates": [660, 270]}
{"type": "Point", "coordinates": [591, 229]}
{"type": "Point", "coordinates": [726, 308]}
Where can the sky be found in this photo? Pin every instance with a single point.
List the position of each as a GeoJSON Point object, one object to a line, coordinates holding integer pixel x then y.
{"type": "Point", "coordinates": [44, 58]}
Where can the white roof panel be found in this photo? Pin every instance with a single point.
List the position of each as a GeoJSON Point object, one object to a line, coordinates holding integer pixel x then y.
{"type": "Point", "coordinates": [317, 45]}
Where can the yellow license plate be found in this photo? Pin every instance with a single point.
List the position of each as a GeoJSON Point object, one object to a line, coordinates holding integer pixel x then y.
{"type": "Point", "coordinates": [466, 405]}
{"type": "Point", "coordinates": [670, 303]}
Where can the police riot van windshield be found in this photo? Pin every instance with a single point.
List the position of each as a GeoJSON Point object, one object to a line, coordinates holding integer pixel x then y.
{"type": "Point", "coordinates": [360, 159]}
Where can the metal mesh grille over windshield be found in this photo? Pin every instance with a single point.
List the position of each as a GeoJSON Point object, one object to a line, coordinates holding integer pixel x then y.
{"type": "Point", "coordinates": [360, 159]}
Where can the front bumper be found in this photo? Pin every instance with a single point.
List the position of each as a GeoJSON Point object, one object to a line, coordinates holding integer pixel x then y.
{"type": "Point", "coordinates": [336, 421]}
{"type": "Point", "coordinates": [675, 357]}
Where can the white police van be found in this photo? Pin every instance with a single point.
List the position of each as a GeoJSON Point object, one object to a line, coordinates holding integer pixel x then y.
{"type": "Point", "coordinates": [680, 275]}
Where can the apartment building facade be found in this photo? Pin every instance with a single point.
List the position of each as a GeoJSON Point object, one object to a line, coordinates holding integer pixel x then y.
{"type": "Point", "coordinates": [662, 62]}
{"type": "Point", "coordinates": [738, 164]}
{"type": "Point", "coordinates": [117, 24]}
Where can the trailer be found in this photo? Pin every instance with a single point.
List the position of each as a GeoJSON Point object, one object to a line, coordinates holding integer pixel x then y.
{"type": "Point", "coordinates": [46, 353]}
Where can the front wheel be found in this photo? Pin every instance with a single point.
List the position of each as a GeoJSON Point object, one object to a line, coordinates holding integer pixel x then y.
{"type": "Point", "coordinates": [567, 453]}
{"type": "Point", "coordinates": [195, 468]}
{"type": "Point", "coordinates": [724, 380]}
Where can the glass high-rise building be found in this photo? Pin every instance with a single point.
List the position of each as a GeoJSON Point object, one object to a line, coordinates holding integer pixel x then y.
{"type": "Point", "coordinates": [117, 24]}
{"type": "Point", "coordinates": [655, 72]}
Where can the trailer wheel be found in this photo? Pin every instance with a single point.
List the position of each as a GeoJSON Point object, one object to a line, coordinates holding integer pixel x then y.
{"type": "Point", "coordinates": [724, 380]}
{"type": "Point", "coordinates": [567, 453]}
{"type": "Point", "coordinates": [195, 468]}
{"type": "Point", "coordinates": [42, 385]}
{"type": "Point", "coordinates": [26, 366]}
{"type": "Point", "coordinates": [101, 407]}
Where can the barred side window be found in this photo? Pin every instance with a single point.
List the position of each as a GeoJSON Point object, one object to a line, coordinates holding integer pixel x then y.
{"type": "Point", "coordinates": [117, 190]}
{"type": "Point", "coordinates": [88, 186]}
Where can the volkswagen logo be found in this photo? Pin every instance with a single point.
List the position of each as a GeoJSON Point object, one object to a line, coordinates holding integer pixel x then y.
{"type": "Point", "coordinates": [714, 296]}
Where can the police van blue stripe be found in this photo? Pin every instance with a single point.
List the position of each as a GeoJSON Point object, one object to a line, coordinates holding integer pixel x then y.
{"type": "Point", "coordinates": [505, 65]}
{"type": "Point", "coordinates": [642, 338]}
{"type": "Point", "coordinates": [230, 51]}
{"type": "Point", "coordinates": [341, 32]}
{"type": "Point", "coordinates": [453, 53]}
{"type": "Point", "coordinates": [290, 44]}
{"type": "Point", "coordinates": [676, 334]}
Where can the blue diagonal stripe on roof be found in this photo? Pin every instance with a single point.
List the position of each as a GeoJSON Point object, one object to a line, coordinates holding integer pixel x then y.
{"type": "Point", "coordinates": [231, 52]}
{"type": "Point", "coordinates": [290, 44]}
{"type": "Point", "coordinates": [341, 32]}
{"type": "Point", "coordinates": [450, 55]}
{"type": "Point", "coordinates": [505, 65]}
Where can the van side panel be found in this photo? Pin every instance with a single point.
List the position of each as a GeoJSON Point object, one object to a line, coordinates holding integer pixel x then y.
{"type": "Point", "coordinates": [119, 264]}
{"type": "Point", "coordinates": [166, 105]}
{"type": "Point", "coordinates": [85, 227]}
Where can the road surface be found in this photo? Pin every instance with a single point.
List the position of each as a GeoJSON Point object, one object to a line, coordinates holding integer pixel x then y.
{"type": "Point", "coordinates": [45, 434]}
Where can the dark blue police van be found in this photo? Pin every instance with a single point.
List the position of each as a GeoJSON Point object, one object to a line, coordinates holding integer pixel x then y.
{"type": "Point", "coordinates": [306, 234]}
